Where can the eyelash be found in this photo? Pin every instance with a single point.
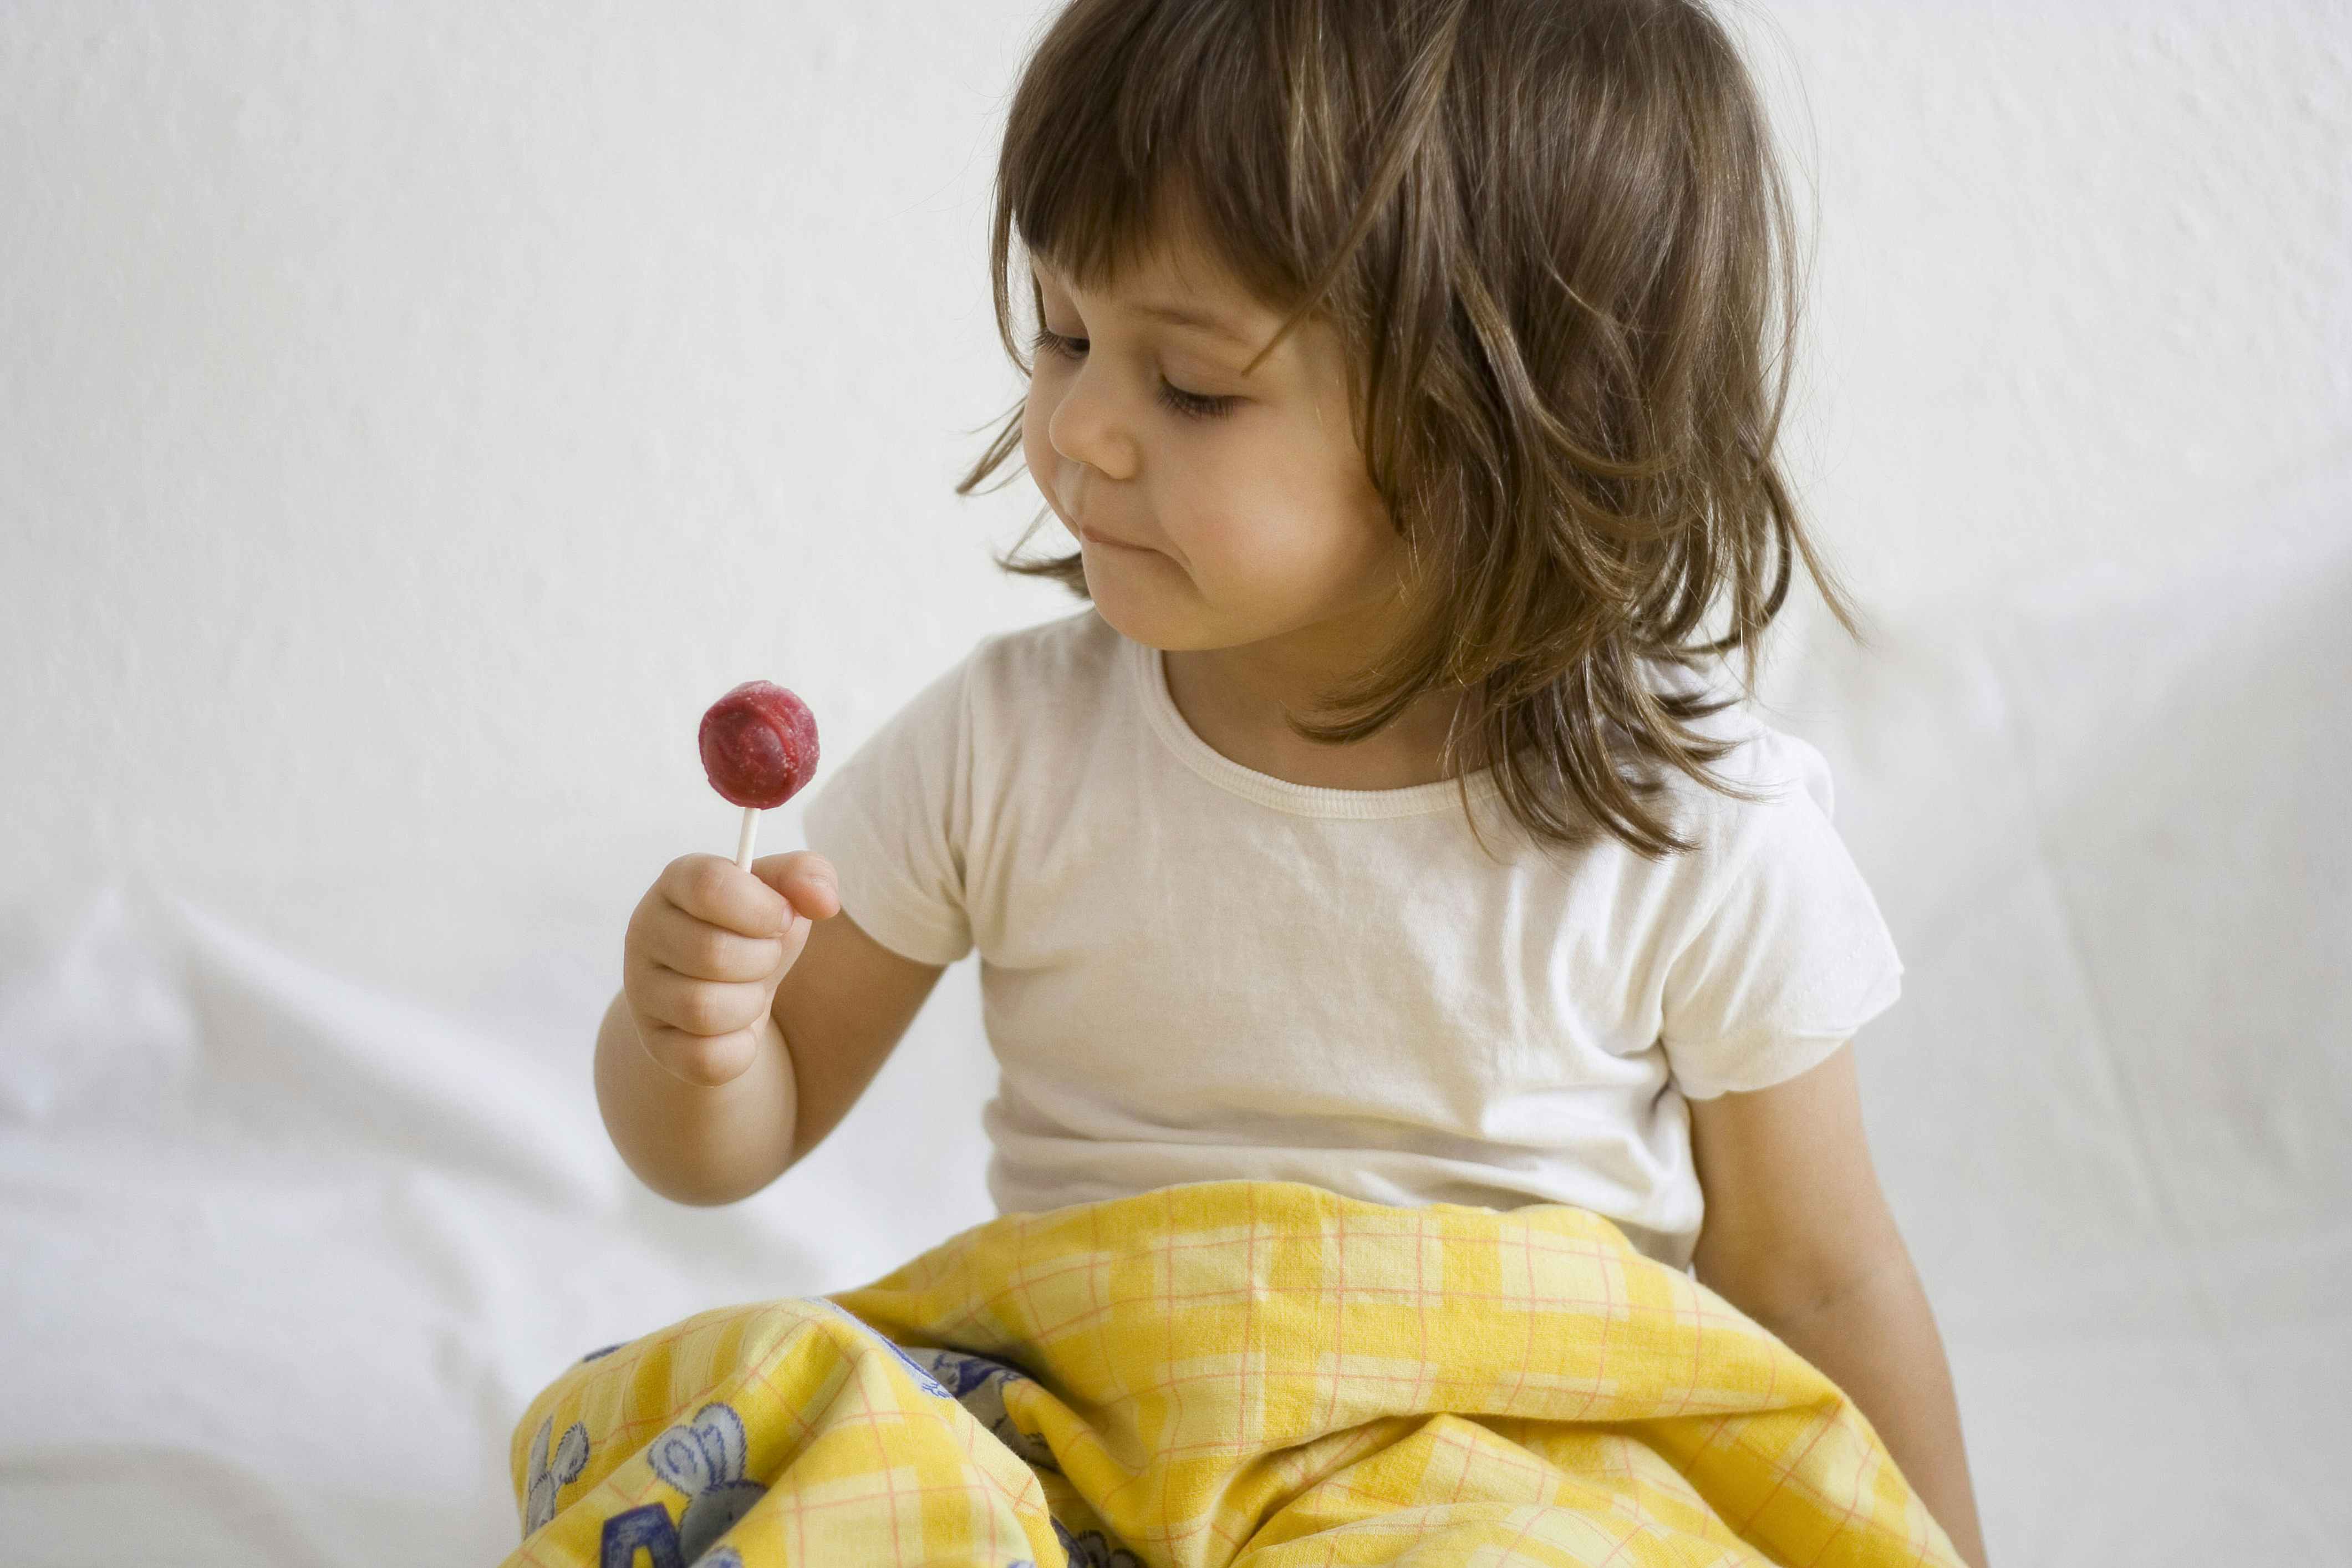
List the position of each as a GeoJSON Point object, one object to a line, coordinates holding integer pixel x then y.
{"type": "Point", "coordinates": [1191, 405]}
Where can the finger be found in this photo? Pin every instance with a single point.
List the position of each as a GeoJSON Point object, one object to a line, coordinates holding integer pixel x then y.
{"type": "Point", "coordinates": [696, 948]}
{"type": "Point", "coordinates": [700, 1007]}
{"type": "Point", "coordinates": [714, 889]}
{"type": "Point", "coordinates": [704, 1060]}
{"type": "Point", "coordinates": [790, 942]}
{"type": "Point", "coordinates": [804, 877]}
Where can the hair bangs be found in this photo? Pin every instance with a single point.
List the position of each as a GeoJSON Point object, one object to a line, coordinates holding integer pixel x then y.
{"type": "Point", "coordinates": [1139, 125]}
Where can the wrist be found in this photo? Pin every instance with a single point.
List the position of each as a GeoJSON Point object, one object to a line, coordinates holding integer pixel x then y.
{"type": "Point", "coordinates": [695, 1143]}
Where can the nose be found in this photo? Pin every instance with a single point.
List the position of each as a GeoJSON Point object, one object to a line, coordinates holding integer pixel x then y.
{"type": "Point", "coordinates": [1089, 427]}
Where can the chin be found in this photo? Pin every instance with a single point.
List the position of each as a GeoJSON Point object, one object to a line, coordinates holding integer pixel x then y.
{"type": "Point", "coordinates": [1142, 613]}
{"type": "Point", "coordinates": [1133, 622]}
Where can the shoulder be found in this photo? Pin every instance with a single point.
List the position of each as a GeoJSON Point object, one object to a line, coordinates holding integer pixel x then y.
{"type": "Point", "coordinates": [1041, 675]}
{"type": "Point", "coordinates": [1780, 948]}
{"type": "Point", "coordinates": [1074, 647]}
{"type": "Point", "coordinates": [1778, 795]}
{"type": "Point", "coordinates": [1008, 682]}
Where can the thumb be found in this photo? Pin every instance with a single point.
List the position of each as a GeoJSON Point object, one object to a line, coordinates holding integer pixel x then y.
{"type": "Point", "coordinates": [805, 878]}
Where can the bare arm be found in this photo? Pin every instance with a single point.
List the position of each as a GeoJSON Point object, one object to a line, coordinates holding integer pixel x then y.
{"type": "Point", "coordinates": [845, 1007]}
{"type": "Point", "coordinates": [745, 1029]}
{"type": "Point", "coordinates": [1877, 1341]}
{"type": "Point", "coordinates": [695, 1143]}
{"type": "Point", "coordinates": [1798, 1236]}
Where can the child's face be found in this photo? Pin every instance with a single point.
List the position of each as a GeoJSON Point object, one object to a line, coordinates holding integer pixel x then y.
{"type": "Point", "coordinates": [1214, 508]}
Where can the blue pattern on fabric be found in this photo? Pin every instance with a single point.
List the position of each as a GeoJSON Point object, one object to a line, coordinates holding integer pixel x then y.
{"type": "Point", "coordinates": [545, 1475]}
{"type": "Point", "coordinates": [646, 1528]}
{"type": "Point", "coordinates": [1095, 1549]}
{"type": "Point", "coordinates": [704, 1458]}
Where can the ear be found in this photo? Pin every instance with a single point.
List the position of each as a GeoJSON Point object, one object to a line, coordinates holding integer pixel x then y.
{"type": "Point", "coordinates": [677, 1458]}
{"type": "Point", "coordinates": [571, 1454]}
{"type": "Point", "coordinates": [720, 1431]}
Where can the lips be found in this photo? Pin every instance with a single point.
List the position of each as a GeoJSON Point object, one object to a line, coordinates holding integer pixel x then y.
{"type": "Point", "coordinates": [1092, 537]}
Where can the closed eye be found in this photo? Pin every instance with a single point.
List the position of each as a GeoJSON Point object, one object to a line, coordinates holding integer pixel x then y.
{"type": "Point", "coordinates": [1191, 405]}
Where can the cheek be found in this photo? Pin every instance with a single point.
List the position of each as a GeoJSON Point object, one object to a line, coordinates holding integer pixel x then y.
{"type": "Point", "coordinates": [1037, 441]}
{"type": "Point", "coordinates": [1292, 528]}
{"type": "Point", "coordinates": [1266, 563]}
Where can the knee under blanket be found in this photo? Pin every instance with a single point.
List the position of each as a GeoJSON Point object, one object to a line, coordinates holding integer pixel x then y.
{"type": "Point", "coordinates": [1249, 1373]}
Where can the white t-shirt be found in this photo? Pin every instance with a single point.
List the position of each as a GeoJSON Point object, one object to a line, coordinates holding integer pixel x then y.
{"type": "Point", "coordinates": [1191, 971]}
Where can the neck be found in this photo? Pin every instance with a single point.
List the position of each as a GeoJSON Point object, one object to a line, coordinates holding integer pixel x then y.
{"type": "Point", "coordinates": [1239, 699]}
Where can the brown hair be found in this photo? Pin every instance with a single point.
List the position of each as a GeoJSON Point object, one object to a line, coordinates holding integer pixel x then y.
{"type": "Point", "coordinates": [1553, 237]}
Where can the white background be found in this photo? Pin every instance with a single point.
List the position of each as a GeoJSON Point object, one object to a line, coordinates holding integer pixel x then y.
{"type": "Point", "coordinates": [411, 417]}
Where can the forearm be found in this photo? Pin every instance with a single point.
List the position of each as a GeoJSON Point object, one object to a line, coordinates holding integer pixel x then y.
{"type": "Point", "coordinates": [1878, 1342]}
{"type": "Point", "coordinates": [693, 1144]}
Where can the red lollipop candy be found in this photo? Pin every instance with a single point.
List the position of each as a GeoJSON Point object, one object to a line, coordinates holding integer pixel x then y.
{"type": "Point", "coordinates": [759, 750]}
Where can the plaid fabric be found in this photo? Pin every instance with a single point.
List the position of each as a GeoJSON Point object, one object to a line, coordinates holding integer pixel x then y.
{"type": "Point", "coordinates": [1237, 1372]}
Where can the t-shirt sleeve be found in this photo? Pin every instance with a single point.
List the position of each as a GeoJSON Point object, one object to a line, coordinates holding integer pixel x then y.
{"type": "Point", "coordinates": [1789, 956]}
{"type": "Point", "coordinates": [895, 820]}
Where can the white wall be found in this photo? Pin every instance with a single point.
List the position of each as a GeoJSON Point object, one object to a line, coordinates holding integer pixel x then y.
{"type": "Point", "coordinates": [416, 414]}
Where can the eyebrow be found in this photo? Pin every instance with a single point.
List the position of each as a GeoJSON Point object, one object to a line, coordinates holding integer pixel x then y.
{"type": "Point", "coordinates": [1198, 321]}
{"type": "Point", "coordinates": [1185, 315]}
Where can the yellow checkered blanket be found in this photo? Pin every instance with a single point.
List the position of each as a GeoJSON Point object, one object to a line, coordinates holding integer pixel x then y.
{"type": "Point", "coordinates": [1261, 1373]}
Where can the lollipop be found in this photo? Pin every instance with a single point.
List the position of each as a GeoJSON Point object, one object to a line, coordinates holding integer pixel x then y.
{"type": "Point", "coordinates": [759, 748]}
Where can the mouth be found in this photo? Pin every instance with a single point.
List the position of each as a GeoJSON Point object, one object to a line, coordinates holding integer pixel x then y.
{"type": "Point", "coordinates": [1091, 537]}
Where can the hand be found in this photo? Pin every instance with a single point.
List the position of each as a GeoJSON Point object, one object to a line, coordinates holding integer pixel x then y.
{"type": "Point", "coordinates": [705, 950]}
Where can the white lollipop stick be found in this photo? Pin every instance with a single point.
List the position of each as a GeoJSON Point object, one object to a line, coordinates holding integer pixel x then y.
{"type": "Point", "coordinates": [743, 845]}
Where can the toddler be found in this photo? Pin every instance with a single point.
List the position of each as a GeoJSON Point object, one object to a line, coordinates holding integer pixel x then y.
{"type": "Point", "coordinates": [1408, 374]}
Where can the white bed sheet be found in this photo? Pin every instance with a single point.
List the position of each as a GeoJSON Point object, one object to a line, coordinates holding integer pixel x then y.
{"type": "Point", "coordinates": [286, 1253]}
